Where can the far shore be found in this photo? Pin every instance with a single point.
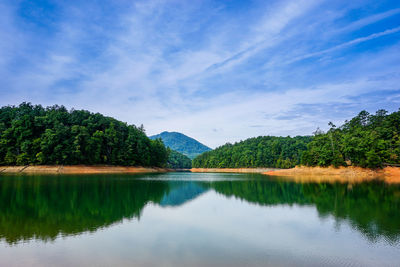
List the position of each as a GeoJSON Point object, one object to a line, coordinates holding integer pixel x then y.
{"type": "Point", "coordinates": [298, 174]}
{"type": "Point", "coordinates": [318, 174]}
{"type": "Point", "coordinates": [79, 169]}
{"type": "Point", "coordinates": [341, 174]}
{"type": "Point", "coordinates": [234, 170]}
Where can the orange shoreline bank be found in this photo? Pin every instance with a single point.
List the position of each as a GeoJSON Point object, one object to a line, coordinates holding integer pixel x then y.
{"type": "Point", "coordinates": [341, 174]}
{"type": "Point", "coordinates": [78, 169]}
{"type": "Point", "coordinates": [234, 170]}
{"type": "Point", "coordinates": [298, 174]}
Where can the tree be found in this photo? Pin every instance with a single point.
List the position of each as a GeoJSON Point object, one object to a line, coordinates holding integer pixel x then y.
{"type": "Point", "coordinates": [31, 134]}
{"type": "Point", "coordinates": [262, 151]}
{"type": "Point", "coordinates": [366, 141]}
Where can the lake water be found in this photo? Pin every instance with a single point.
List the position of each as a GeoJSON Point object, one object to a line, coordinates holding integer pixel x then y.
{"type": "Point", "coordinates": [196, 219]}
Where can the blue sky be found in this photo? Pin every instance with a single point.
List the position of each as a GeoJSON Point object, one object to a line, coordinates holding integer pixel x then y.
{"type": "Point", "coordinates": [219, 71]}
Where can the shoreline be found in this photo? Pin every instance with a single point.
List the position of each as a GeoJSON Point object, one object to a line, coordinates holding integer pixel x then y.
{"type": "Point", "coordinates": [298, 174]}
{"type": "Point", "coordinates": [233, 170]}
{"type": "Point", "coordinates": [79, 169]}
{"type": "Point", "coordinates": [349, 174]}
{"type": "Point", "coordinates": [304, 174]}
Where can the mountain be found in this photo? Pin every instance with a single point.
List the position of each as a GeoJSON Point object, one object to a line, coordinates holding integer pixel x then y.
{"type": "Point", "coordinates": [182, 143]}
{"type": "Point", "coordinates": [181, 192]}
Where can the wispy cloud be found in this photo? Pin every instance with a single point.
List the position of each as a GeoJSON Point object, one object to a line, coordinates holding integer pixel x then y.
{"type": "Point", "coordinates": [346, 44]}
{"type": "Point", "coordinates": [369, 20]}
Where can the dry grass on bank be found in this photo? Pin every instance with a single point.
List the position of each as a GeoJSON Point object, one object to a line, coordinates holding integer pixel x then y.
{"type": "Point", "coordinates": [233, 170]}
{"type": "Point", "coordinates": [79, 169]}
{"type": "Point", "coordinates": [342, 174]}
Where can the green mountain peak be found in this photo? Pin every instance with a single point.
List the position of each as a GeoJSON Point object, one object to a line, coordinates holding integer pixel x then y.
{"type": "Point", "coordinates": [182, 143]}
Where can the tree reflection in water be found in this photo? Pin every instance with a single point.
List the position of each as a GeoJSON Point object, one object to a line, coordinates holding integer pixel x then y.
{"type": "Point", "coordinates": [44, 207]}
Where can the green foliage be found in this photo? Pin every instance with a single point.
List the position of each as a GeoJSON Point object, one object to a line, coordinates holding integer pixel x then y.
{"type": "Point", "coordinates": [182, 143]}
{"type": "Point", "coordinates": [31, 134]}
{"type": "Point", "coordinates": [177, 160]}
{"type": "Point", "coordinates": [263, 151]}
{"type": "Point", "coordinates": [22, 159]}
{"type": "Point", "coordinates": [158, 152]}
{"type": "Point", "coordinates": [366, 141]}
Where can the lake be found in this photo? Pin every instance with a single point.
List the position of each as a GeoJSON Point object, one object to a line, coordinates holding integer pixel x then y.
{"type": "Point", "coordinates": [196, 219]}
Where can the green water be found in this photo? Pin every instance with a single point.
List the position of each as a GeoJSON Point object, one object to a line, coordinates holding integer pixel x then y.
{"type": "Point", "coordinates": [196, 219]}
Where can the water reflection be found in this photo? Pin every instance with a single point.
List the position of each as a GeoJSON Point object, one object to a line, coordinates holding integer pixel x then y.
{"type": "Point", "coordinates": [373, 208]}
{"type": "Point", "coordinates": [44, 207]}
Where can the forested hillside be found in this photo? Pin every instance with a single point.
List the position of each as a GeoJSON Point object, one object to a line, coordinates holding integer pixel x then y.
{"type": "Point", "coordinates": [182, 143]}
{"type": "Point", "coordinates": [31, 134]}
{"type": "Point", "coordinates": [367, 140]}
{"type": "Point", "coordinates": [263, 151]}
{"type": "Point", "coordinates": [177, 160]}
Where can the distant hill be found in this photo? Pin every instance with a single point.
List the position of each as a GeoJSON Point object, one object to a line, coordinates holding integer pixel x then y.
{"type": "Point", "coordinates": [182, 143]}
{"type": "Point", "coordinates": [181, 192]}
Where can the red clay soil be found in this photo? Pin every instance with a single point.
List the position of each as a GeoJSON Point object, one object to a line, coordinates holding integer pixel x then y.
{"type": "Point", "coordinates": [79, 169]}
{"type": "Point", "coordinates": [233, 170]}
{"type": "Point", "coordinates": [342, 174]}
{"type": "Point", "coordinates": [392, 174]}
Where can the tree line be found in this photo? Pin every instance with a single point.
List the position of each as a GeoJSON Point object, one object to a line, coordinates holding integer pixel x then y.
{"type": "Point", "coordinates": [177, 160]}
{"type": "Point", "coordinates": [262, 151]}
{"type": "Point", "coordinates": [367, 140]}
{"type": "Point", "coordinates": [32, 134]}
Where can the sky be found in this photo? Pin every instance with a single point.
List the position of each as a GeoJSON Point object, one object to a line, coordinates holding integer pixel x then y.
{"type": "Point", "coordinates": [218, 71]}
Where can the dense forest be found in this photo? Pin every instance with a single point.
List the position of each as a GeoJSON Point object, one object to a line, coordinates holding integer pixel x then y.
{"type": "Point", "coordinates": [263, 151]}
{"type": "Point", "coordinates": [183, 144]}
{"type": "Point", "coordinates": [31, 134]}
{"type": "Point", "coordinates": [367, 140]}
{"type": "Point", "coordinates": [177, 160]}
